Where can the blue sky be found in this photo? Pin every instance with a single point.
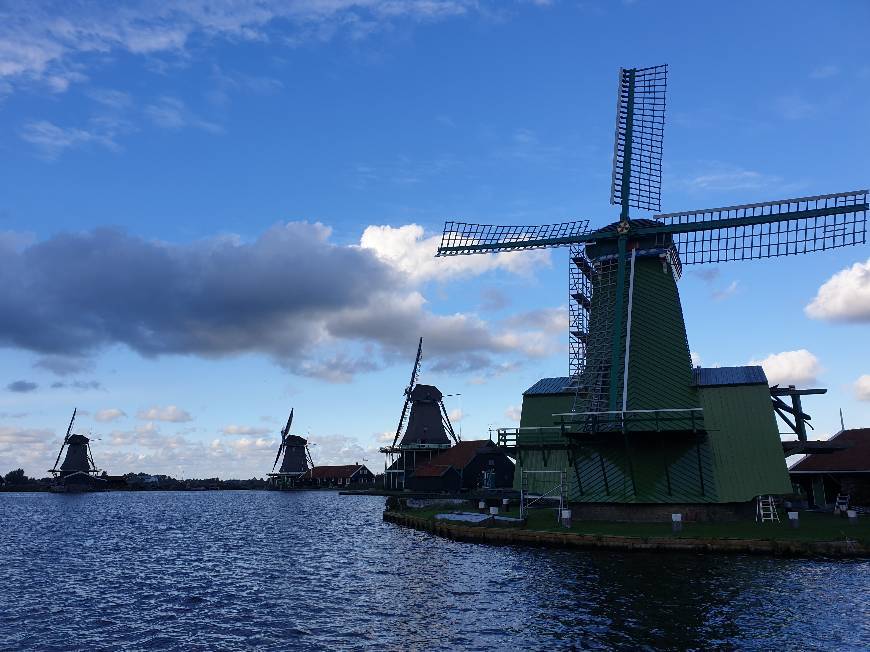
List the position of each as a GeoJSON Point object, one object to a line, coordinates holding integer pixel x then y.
{"type": "Point", "coordinates": [213, 212]}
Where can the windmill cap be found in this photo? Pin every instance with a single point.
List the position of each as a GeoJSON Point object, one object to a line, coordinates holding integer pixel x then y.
{"type": "Point", "coordinates": [77, 439]}
{"type": "Point", "coordinates": [426, 393]}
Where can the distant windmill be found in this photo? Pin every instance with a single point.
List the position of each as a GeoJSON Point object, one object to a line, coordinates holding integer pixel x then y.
{"type": "Point", "coordinates": [296, 461]}
{"type": "Point", "coordinates": [78, 471]}
{"type": "Point", "coordinates": [427, 428]}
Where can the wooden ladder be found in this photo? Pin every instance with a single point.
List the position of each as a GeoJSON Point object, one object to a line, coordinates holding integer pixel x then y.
{"type": "Point", "coordinates": [766, 510]}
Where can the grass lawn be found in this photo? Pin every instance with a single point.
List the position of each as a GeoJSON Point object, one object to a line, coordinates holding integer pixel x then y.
{"type": "Point", "coordinates": [813, 527]}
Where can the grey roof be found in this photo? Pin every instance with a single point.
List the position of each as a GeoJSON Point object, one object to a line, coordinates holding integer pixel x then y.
{"type": "Point", "coordinates": [555, 385]}
{"type": "Point", "coordinates": [752, 375]}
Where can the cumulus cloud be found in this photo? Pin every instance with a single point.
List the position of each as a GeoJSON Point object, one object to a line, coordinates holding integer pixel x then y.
{"type": "Point", "coordinates": [790, 367]}
{"type": "Point", "coordinates": [171, 413]}
{"type": "Point", "coordinates": [64, 365]}
{"type": "Point", "coordinates": [407, 249]}
{"type": "Point", "coordinates": [316, 308]}
{"type": "Point", "coordinates": [845, 297]}
{"type": "Point", "coordinates": [233, 429]}
{"type": "Point", "coordinates": [32, 449]}
{"type": "Point", "coordinates": [21, 386]}
{"type": "Point", "coordinates": [342, 449]}
{"type": "Point", "coordinates": [513, 413]}
{"type": "Point", "coordinates": [109, 414]}
{"type": "Point", "coordinates": [862, 388]}
{"type": "Point", "coordinates": [82, 385]}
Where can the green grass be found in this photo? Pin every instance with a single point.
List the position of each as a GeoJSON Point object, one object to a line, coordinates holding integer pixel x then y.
{"type": "Point", "coordinates": [813, 527]}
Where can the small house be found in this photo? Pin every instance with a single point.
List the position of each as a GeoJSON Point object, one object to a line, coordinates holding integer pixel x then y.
{"type": "Point", "coordinates": [824, 476]}
{"type": "Point", "coordinates": [339, 476]}
{"type": "Point", "coordinates": [467, 465]}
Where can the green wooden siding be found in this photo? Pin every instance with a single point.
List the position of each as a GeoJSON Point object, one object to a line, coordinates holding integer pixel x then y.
{"type": "Point", "coordinates": [660, 365]}
{"type": "Point", "coordinates": [747, 452]}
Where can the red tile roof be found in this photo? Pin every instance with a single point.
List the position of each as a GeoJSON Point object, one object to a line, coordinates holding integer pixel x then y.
{"type": "Point", "coordinates": [458, 456]}
{"type": "Point", "coordinates": [329, 472]}
{"type": "Point", "coordinates": [854, 459]}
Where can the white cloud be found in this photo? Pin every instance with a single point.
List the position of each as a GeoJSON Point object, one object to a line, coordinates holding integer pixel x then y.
{"type": "Point", "coordinates": [513, 412]}
{"type": "Point", "coordinates": [456, 415]}
{"type": "Point", "coordinates": [862, 388]}
{"type": "Point", "coordinates": [109, 414]}
{"type": "Point", "coordinates": [723, 177]}
{"type": "Point", "coordinates": [412, 254]}
{"type": "Point", "coordinates": [724, 293]}
{"type": "Point", "coordinates": [845, 297]}
{"type": "Point", "coordinates": [824, 72]}
{"type": "Point", "coordinates": [46, 42]}
{"type": "Point", "coordinates": [33, 449]}
{"type": "Point", "coordinates": [245, 430]}
{"type": "Point", "coordinates": [341, 449]}
{"type": "Point", "coordinates": [171, 413]}
{"type": "Point", "coordinates": [52, 140]}
{"type": "Point", "coordinates": [790, 367]}
{"type": "Point", "coordinates": [696, 359]}
{"type": "Point", "coordinates": [172, 113]}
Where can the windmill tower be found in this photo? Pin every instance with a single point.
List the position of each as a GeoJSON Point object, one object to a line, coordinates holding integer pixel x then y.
{"type": "Point", "coordinates": [78, 471]}
{"type": "Point", "coordinates": [296, 461]}
{"type": "Point", "coordinates": [427, 429]}
{"type": "Point", "coordinates": [632, 412]}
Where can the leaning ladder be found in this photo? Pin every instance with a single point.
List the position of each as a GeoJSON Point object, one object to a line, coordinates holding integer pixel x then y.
{"type": "Point", "coordinates": [766, 510]}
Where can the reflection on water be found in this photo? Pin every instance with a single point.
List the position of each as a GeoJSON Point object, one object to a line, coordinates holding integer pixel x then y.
{"type": "Point", "coordinates": [275, 571]}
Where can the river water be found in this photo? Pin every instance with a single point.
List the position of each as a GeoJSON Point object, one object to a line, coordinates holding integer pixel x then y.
{"type": "Point", "coordinates": [241, 570]}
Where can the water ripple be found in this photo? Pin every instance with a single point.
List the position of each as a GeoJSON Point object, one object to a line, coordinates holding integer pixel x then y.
{"type": "Point", "coordinates": [277, 571]}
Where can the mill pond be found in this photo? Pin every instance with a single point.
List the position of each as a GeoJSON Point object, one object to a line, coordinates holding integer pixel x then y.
{"type": "Point", "coordinates": [315, 570]}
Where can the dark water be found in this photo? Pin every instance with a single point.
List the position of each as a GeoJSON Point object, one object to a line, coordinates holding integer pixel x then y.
{"type": "Point", "coordinates": [284, 571]}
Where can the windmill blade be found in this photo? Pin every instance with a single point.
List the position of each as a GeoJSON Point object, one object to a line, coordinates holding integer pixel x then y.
{"type": "Point", "coordinates": [447, 423]}
{"type": "Point", "coordinates": [766, 230]}
{"type": "Point", "coordinates": [401, 421]}
{"type": "Point", "coordinates": [69, 427]}
{"type": "Point", "coordinates": [637, 149]}
{"type": "Point", "coordinates": [415, 373]}
{"type": "Point", "coordinates": [65, 438]}
{"type": "Point", "coordinates": [308, 455]}
{"type": "Point", "coordinates": [466, 238]}
{"type": "Point", "coordinates": [286, 430]}
{"type": "Point", "coordinates": [280, 448]}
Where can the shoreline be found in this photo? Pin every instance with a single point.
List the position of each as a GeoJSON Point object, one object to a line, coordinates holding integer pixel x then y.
{"type": "Point", "coordinates": [501, 535]}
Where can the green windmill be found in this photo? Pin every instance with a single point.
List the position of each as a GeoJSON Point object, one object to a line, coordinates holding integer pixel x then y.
{"type": "Point", "coordinates": [633, 422]}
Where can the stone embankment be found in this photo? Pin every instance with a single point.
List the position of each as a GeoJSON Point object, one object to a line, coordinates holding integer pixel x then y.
{"type": "Point", "coordinates": [510, 535]}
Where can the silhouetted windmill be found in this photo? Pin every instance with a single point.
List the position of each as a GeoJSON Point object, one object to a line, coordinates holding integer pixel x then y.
{"type": "Point", "coordinates": [296, 461]}
{"type": "Point", "coordinates": [78, 471]}
{"type": "Point", "coordinates": [427, 428]}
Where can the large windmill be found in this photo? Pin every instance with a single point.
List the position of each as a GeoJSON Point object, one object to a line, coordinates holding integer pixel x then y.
{"type": "Point", "coordinates": [427, 428]}
{"type": "Point", "coordinates": [296, 461]}
{"type": "Point", "coordinates": [629, 367]}
{"type": "Point", "coordinates": [78, 471]}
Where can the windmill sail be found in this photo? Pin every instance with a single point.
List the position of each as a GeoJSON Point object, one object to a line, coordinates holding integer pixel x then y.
{"type": "Point", "coordinates": [415, 374]}
{"type": "Point", "coordinates": [468, 238]}
{"type": "Point", "coordinates": [769, 229]}
{"type": "Point", "coordinates": [637, 150]}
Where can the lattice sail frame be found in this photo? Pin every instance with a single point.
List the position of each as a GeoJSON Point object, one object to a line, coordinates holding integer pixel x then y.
{"type": "Point", "coordinates": [640, 126]}
{"type": "Point", "coordinates": [466, 237]}
{"type": "Point", "coordinates": [784, 228]}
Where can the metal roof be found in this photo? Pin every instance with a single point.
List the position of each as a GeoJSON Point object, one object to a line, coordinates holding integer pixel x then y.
{"type": "Point", "coordinates": [710, 377]}
{"type": "Point", "coordinates": [550, 386]}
